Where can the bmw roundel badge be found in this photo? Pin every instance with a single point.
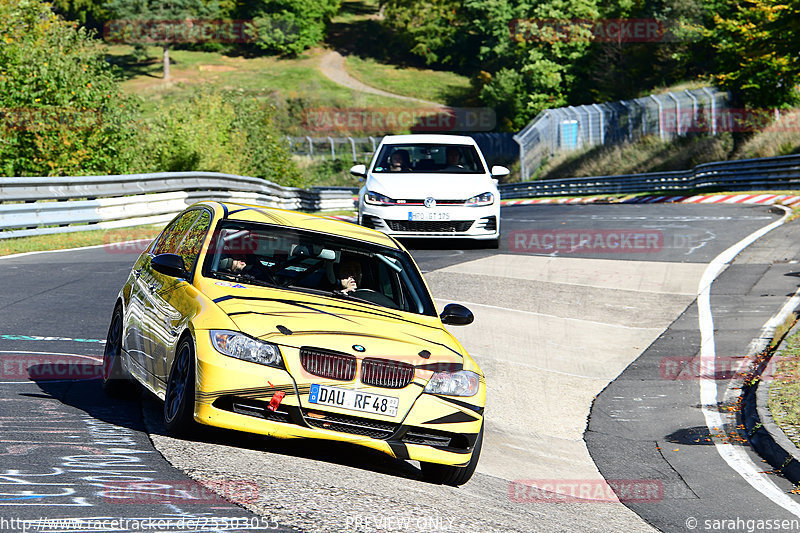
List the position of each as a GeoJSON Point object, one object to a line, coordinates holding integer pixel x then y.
{"type": "Point", "coordinates": [359, 348]}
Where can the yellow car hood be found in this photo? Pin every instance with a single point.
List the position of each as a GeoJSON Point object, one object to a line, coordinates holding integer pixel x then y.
{"type": "Point", "coordinates": [294, 319]}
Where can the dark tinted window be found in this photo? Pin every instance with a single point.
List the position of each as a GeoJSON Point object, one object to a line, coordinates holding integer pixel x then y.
{"type": "Point", "coordinates": [435, 158]}
{"type": "Point", "coordinates": [306, 261]}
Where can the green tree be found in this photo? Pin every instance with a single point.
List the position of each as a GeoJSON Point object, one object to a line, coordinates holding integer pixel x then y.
{"type": "Point", "coordinates": [62, 109]}
{"type": "Point", "coordinates": [88, 13]}
{"type": "Point", "coordinates": [758, 52]}
{"type": "Point", "coordinates": [288, 26]}
{"type": "Point", "coordinates": [521, 55]}
{"type": "Point", "coordinates": [158, 21]}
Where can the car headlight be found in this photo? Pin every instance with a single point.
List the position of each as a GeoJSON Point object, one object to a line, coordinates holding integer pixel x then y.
{"type": "Point", "coordinates": [240, 346]}
{"type": "Point", "coordinates": [461, 383]}
{"type": "Point", "coordinates": [486, 198]}
{"type": "Point", "coordinates": [374, 198]}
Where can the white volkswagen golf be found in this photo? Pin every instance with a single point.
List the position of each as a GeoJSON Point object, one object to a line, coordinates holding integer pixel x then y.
{"type": "Point", "coordinates": [430, 186]}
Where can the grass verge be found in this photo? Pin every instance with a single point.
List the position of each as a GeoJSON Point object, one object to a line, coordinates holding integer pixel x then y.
{"type": "Point", "coordinates": [63, 241]}
{"type": "Point", "coordinates": [784, 393]}
{"type": "Point", "coordinates": [432, 85]}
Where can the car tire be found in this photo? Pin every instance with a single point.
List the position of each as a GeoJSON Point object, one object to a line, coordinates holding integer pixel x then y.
{"type": "Point", "coordinates": [179, 396]}
{"type": "Point", "coordinates": [117, 383]}
{"type": "Point", "coordinates": [493, 244]}
{"type": "Point", "coordinates": [453, 475]}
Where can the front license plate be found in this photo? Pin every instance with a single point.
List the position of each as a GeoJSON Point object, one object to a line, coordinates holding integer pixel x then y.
{"type": "Point", "coordinates": [428, 215]}
{"type": "Point", "coordinates": [353, 400]}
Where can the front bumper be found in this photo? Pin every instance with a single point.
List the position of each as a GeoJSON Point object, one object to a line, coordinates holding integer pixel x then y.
{"type": "Point", "coordinates": [235, 394]}
{"type": "Point", "coordinates": [437, 222]}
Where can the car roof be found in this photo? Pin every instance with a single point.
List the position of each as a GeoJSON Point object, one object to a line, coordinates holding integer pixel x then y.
{"type": "Point", "coordinates": [428, 138]}
{"type": "Point", "coordinates": [294, 219]}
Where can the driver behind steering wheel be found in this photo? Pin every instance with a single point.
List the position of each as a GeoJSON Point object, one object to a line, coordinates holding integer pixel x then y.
{"type": "Point", "coordinates": [349, 276]}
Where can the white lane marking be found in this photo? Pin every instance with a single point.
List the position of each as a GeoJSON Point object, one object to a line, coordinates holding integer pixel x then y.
{"type": "Point", "coordinates": [733, 455]}
{"type": "Point", "coordinates": [581, 320]}
{"type": "Point", "coordinates": [22, 254]}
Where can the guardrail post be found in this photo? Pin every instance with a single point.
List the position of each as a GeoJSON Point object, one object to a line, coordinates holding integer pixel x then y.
{"type": "Point", "coordinates": [660, 117]}
{"type": "Point", "coordinates": [602, 123]}
{"type": "Point", "coordinates": [677, 112]}
{"type": "Point", "coordinates": [713, 110]}
{"type": "Point", "coordinates": [627, 106]}
{"type": "Point", "coordinates": [310, 147]}
{"type": "Point", "coordinates": [694, 107]}
{"type": "Point", "coordinates": [333, 148]}
{"type": "Point", "coordinates": [353, 145]}
{"type": "Point", "coordinates": [523, 171]}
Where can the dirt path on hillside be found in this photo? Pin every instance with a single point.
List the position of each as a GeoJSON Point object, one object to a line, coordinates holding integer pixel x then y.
{"type": "Point", "coordinates": [332, 66]}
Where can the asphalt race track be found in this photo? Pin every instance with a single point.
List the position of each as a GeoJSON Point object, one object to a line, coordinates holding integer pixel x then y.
{"type": "Point", "coordinates": [579, 318]}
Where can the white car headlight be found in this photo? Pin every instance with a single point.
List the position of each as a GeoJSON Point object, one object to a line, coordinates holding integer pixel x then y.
{"type": "Point", "coordinates": [374, 198]}
{"type": "Point", "coordinates": [461, 383]}
{"type": "Point", "coordinates": [486, 198]}
{"type": "Point", "coordinates": [240, 346]}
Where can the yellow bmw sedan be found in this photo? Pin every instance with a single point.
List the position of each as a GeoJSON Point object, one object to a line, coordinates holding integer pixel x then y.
{"type": "Point", "coordinates": [296, 326]}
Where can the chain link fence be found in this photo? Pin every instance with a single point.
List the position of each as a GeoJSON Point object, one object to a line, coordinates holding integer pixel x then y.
{"type": "Point", "coordinates": [576, 128]}
{"type": "Point", "coordinates": [497, 148]}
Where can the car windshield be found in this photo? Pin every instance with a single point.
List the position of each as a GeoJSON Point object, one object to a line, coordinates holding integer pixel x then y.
{"type": "Point", "coordinates": [435, 158]}
{"type": "Point", "coordinates": [288, 258]}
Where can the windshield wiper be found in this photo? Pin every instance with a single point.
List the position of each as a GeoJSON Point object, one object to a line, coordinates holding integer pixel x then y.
{"type": "Point", "coordinates": [245, 278]}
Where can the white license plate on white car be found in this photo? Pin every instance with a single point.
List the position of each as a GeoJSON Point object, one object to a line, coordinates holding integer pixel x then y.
{"type": "Point", "coordinates": [427, 215]}
{"type": "Point", "coordinates": [353, 400]}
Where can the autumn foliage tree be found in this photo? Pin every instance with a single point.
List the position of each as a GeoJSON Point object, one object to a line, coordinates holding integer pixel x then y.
{"type": "Point", "coordinates": [758, 52]}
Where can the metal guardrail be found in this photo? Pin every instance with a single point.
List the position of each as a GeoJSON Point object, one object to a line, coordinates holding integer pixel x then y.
{"type": "Point", "coordinates": [38, 206]}
{"type": "Point", "coordinates": [747, 174]}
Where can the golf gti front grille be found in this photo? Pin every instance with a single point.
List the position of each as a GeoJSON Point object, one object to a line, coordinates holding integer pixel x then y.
{"type": "Point", "coordinates": [430, 226]}
{"type": "Point", "coordinates": [330, 365]}
{"type": "Point", "coordinates": [385, 373]}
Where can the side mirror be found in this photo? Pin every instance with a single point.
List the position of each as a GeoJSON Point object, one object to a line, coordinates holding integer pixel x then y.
{"type": "Point", "coordinates": [500, 172]}
{"type": "Point", "coordinates": [170, 265]}
{"type": "Point", "coordinates": [359, 170]}
{"type": "Point", "coordinates": [456, 315]}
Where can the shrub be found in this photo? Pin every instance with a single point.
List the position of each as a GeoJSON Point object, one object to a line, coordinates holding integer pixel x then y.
{"type": "Point", "coordinates": [219, 132]}
{"type": "Point", "coordinates": [62, 109]}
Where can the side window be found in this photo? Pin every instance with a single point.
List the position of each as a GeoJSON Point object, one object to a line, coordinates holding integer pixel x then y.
{"type": "Point", "coordinates": [173, 235]}
{"type": "Point", "coordinates": [190, 247]}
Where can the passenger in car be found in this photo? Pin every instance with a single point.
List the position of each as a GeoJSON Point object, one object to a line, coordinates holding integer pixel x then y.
{"type": "Point", "coordinates": [400, 161]}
